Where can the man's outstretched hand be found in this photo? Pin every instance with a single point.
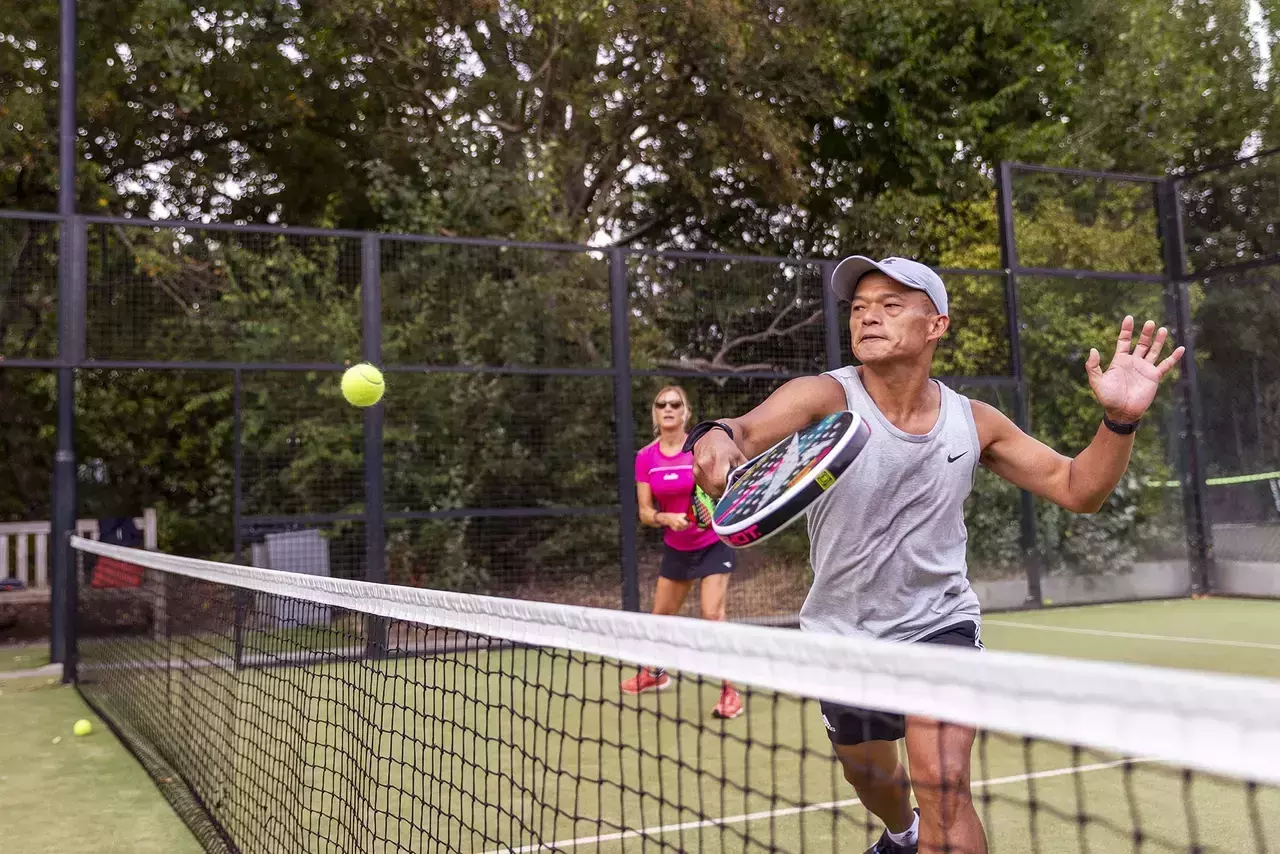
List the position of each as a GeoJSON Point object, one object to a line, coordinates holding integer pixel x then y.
{"type": "Point", "coordinates": [1129, 384]}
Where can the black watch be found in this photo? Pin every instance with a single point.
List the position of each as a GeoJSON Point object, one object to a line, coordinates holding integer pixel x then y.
{"type": "Point", "coordinates": [701, 429]}
{"type": "Point", "coordinates": [1122, 429]}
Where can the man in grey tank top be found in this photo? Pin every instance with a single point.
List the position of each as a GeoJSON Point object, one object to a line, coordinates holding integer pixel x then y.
{"type": "Point", "coordinates": [888, 540]}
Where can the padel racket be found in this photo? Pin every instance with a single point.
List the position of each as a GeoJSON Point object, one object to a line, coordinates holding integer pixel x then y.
{"type": "Point", "coordinates": [766, 494]}
{"type": "Point", "coordinates": [701, 508]}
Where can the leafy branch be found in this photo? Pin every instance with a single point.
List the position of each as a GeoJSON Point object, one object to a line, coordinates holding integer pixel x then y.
{"type": "Point", "coordinates": [777, 328]}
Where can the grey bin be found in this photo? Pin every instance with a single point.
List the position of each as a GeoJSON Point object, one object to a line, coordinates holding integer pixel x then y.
{"type": "Point", "coordinates": [304, 552]}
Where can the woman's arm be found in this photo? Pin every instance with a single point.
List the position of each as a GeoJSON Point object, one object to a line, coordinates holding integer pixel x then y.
{"type": "Point", "coordinates": [649, 514]}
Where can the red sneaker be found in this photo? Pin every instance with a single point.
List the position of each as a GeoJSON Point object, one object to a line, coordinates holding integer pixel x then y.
{"type": "Point", "coordinates": [647, 680]}
{"type": "Point", "coordinates": [730, 705]}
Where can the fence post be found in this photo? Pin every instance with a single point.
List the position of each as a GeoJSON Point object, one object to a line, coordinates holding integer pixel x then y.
{"type": "Point", "coordinates": [1191, 417]}
{"type": "Point", "coordinates": [1021, 409]}
{"type": "Point", "coordinates": [375, 533]}
{"type": "Point", "coordinates": [243, 598]}
{"type": "Point", "coordinates": [624, 427]}
{"type": "Point", "coordinates": [71, 335]}
{"type": "Point", "coordinates": [830, 318]}
{"type": "Point", "coordinates": [71, 270]}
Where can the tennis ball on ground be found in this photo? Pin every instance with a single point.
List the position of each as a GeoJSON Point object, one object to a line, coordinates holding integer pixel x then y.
{"type": "Point", "coordinates": [362, 385]}
{"type": "Point", "coordinates": [82, 727]}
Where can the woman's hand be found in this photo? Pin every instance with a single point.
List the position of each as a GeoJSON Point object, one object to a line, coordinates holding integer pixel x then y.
{"type": "Point", "coordinates": [674, 521]}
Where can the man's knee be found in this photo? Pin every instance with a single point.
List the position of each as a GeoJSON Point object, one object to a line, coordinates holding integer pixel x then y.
{"type": "Point", "coordinates": [865, 776]}
{"type": "Point", "coordinates": [866, 766]}
{"type": "Point", "coordinates": [945, 792]}
{"type": "Point", "coordinates": [940, 762]}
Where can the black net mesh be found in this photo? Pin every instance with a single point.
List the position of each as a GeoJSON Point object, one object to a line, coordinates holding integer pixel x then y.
{"type": "Point", "coordinates": [726, 315]}
{"type": "Point", "coordinates": [571, 558]}
{"type": "Point", "coordinates": [168, 294]}
{"type": "Point", "coordinates": [302, 445]}
{"type": "Point", "coordinates": [1134, 547]}
{"type": "Point", "coordinates": [30, 405]}
{"type": "Point", "coordinates": [1230, 218]}
{"type": "Point", "coordinates": [163, 440]}
{"type": "Point", "coordinates": [28, 289]}
{"type": "Point", "coordinates": [1230, 215]}
{"type": "Point", "coordinates": [470, 440]}
{"type": "Point", "coordinates": [1084, 223]}
{"type": "Point", "coordinates": [1237, 320]}
{"type": "Point", "coordinates": [471, 305]}
{"type": "Point", "coordinates": [498, 432]}
{"type": "Point", "coordinates": [301, 722]}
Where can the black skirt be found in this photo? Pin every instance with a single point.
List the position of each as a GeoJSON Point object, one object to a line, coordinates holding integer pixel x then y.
{"type": "Point", "coordinates": [715, 559]}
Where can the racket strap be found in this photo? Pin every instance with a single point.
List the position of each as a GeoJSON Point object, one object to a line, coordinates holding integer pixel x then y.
{"type": "Point", "coordinates": [701, 429]}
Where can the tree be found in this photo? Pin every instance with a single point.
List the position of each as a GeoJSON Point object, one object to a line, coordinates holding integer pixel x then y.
{"type": "Point", "coordinates": [808, 129]}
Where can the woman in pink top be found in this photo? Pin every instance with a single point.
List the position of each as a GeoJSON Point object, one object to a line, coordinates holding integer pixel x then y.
{"type": "Point", "coordinates": [664, 484]}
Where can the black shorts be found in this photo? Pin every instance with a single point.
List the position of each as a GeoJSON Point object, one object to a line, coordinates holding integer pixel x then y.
{"type": "Point", "coordinates": [715, 559]}
{"type": "Point", "coordinates": [848, 725]}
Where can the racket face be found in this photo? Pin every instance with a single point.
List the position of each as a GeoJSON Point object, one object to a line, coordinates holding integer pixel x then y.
{"type": "Point", "coordinates": [779, 484]}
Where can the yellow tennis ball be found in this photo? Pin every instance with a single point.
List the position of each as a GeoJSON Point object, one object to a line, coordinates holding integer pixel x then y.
{"type": "Point", "coordinates": [362, 385]}
{"type": "Point", "coordinates": [82, 727]}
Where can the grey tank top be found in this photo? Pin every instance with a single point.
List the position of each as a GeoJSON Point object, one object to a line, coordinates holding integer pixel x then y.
{"type": "Point", "coordinates": [887, 542]}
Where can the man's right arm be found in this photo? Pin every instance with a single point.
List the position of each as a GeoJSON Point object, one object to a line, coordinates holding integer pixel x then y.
{"type": "Point", "coordinates": [795, 405]}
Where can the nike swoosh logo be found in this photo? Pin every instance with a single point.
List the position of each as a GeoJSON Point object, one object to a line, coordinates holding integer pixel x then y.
{"type": "Point", "coordinates": [952, 459]}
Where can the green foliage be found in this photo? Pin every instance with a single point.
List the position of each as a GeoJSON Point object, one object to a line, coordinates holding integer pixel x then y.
{"type": "Point", "coordinates": [1087, 226]}
{"type": "Point", "coordinates": [806, 129]}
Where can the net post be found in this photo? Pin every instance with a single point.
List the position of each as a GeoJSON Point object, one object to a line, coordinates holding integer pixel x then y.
{"type": "Point", "coordinates": [1190, 413]}
{"type": "Point", "coordinates": [830, 317]}
{"type": "Point", "coordinates": [374, 512]}
{"type": "Point", "coordinates": [1021, 411]}
{"type": "Point", "coordinates": [624, 427]}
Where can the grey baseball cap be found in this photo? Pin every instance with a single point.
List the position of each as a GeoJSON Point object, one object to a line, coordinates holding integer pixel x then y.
{"type": "Point", "coordinates": [913, 274]}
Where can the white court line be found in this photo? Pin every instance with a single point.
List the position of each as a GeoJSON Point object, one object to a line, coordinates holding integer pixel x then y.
{"type": "Point", "coordinates": [778, 813]}
{"type": "Point", "coordinates": [1133, 635]}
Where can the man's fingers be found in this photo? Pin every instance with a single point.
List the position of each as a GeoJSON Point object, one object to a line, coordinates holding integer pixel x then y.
{"type": "Point", "coordinates": [712, 464]}
{"type": "Point", "coordinates": [1174, 357]}
{"type": "Point", "coordinates": [1153, 355]}
{"type": "Point", "coordinates": [1144, 340]}
{"type": "Point", "coordinates": [1093, 365]}
{"type": "Point", "coordinates": [1126, 336]}
{"type": "Point", "coordinates": [704, 474]}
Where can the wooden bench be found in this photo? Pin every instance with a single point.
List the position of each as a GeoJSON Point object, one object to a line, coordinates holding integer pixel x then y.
{"type": "Point", "coordinates": [24, 547]}
{"type": "Point", "coordinates": [25, 597]}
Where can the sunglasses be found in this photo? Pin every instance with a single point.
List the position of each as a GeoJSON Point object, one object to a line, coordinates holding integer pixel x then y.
{"type": "Point", "coordinates": [668, 404]}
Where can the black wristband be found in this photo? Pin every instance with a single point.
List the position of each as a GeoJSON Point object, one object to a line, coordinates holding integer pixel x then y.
{"type": "Point", "coordinates": [1121, 429]}
{"type": "Point", "coordinates": [701, 429]}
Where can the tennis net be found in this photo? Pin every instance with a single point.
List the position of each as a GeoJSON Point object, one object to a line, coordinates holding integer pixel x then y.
{"type": "Point", "coordinates": [285, 712]}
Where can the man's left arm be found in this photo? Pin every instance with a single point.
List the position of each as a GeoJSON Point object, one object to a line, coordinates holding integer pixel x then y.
{"type": "Point", "coordinates": [1125, 391]}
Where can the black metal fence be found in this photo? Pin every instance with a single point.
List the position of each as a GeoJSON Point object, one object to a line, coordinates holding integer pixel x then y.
{"type": "Point", "coordinates": [1232, 240]}
{"type": "Point", "coordinates": [198, 366]}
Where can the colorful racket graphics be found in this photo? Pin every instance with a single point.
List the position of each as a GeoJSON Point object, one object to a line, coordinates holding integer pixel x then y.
{"type": "Point", "coordinates": [771, 491]}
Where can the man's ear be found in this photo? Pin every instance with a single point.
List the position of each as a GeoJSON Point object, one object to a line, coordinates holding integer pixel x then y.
{"type": "Point", "coordinates": [938, 326]}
